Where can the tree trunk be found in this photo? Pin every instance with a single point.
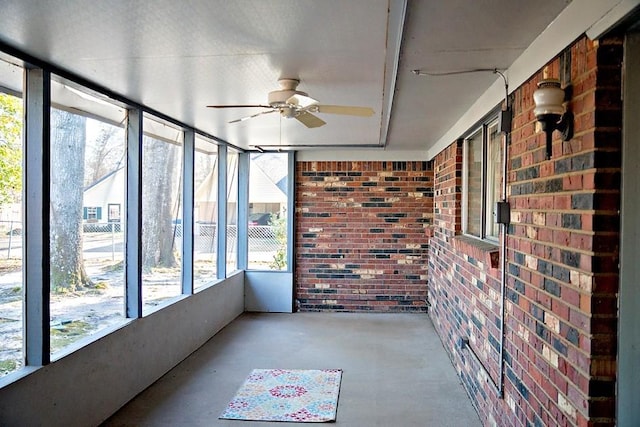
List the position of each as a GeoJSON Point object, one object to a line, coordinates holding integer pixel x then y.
{"type": "Point", "coordinates": [159, 199]}
{"type": "Point", "coordinates": [67, 176]}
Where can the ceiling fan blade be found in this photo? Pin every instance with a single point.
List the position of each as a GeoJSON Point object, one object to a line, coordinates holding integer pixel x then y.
{"type": "Point", "coordinates": [309, 120]}
{"type": "Point", "coordinates": [240, 106]}
{"type": "Point", "coordinates": [302, 101]}
{"type": "Point", "coordinates": [242, 119]}
{"type": "Point", "coordinates": [345, 110]}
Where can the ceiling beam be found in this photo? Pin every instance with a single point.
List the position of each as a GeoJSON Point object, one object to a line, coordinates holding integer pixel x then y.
{"type": "Point", "coordinates": [395, 27]}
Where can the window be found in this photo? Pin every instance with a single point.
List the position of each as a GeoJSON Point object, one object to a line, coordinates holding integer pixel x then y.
{"type": "Point", "coordinates": [205, 213]}
{"type": "Point", "coordinates": [92, 214]}
{"type": "Point", "coordinates": [11, 183]}
{"type": "Point", "coordinates": [113, 212]}
{"type": "Point", "coordinates": [86, 253]}
{"type": "Point", "coordinates": [161, 212]}
{"type": "Point", "coordinates": [268, 174]}
{"type": "Point", "coordinates": [232, 211]}
{"type": "Point", "coordinates": [482, 180]}
{"type": "Point", "coordinates": [80, 291]}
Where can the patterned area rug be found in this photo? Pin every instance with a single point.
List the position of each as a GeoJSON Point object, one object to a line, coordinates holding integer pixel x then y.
{"type": "Point", "coordinates": [302, 396]}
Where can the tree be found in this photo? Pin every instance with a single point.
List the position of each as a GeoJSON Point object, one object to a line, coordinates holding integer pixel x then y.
{"type": "Point", "coordinates": [68, 135]}
{"type": "Point", "coordinates": [10, 149]}
{"type": "Point", "coordinates": [104, 154]}
{"type": "Point", "coordinates": [160, 196]}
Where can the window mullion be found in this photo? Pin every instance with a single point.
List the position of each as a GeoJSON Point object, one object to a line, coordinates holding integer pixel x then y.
{"type": "Point", "coordinates": [221, 226]}
{"type": "Point", "coordinates": [187, 211]}
{"type": "Point", "coordinates": [485, 180]}
{"type": "Point", "coordinates": [36, 216]}
{"type": "Point", "coordinates": [243, 210]}
{"type": "Point", "coordinates": [291, 181]}
{"type": "Point", "coordinates": [133, 224]}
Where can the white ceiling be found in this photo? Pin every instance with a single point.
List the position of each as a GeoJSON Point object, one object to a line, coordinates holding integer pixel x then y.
{"type": "Point", "coordinates": [176, 57]}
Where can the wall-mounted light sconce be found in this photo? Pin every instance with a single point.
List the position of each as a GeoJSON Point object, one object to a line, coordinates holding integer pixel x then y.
{"type": "Point", "coordinates": [550, 111]}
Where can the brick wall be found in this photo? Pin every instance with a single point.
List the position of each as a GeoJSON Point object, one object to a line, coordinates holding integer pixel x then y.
{"type": "Point", "coordinates": [562, 255]}
{"type": "Point", "coordinates": [360, 235]}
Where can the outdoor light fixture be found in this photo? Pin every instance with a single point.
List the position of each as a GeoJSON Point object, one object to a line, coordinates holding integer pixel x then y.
{"type": "Point", "coordinates": [550, 111]}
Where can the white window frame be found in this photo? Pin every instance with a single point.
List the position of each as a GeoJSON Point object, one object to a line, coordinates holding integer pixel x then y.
{"type": "Point", "coordinates": [92, 213]}
{"type": "Point", "coordinates": [487, 213]}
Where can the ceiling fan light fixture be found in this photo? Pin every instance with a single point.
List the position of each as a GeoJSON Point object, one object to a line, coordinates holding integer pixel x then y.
{"type": "Point", "coordinates": [288, 112]}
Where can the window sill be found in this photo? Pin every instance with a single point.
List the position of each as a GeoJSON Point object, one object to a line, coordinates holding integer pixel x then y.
{"type": "Point", "coordinates": [482, 251]}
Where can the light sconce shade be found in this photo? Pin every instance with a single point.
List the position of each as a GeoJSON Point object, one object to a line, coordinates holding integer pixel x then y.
{"type": "Point", "coordinates": [550, 111]}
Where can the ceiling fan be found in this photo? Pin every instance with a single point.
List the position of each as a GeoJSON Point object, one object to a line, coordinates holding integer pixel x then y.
{"type": "Point", "coordinates": [292, 103]}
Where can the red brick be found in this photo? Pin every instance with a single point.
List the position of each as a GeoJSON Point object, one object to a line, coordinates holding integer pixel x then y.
{"type": "Point", "coordinates": [582, 263]}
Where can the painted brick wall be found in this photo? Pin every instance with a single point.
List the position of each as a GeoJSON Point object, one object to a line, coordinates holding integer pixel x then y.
{"type": "Point", "coordinates": [360, 235]}
{"type": "Point", "coordinates": [562, 256]}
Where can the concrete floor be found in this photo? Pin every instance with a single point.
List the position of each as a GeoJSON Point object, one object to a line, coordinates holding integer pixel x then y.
{"type": "Point", "coordinates": [395, 371]}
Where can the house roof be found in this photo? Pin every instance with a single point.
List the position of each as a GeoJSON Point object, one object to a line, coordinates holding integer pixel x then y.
{"type": "Point", "coordinates": [261, 188]}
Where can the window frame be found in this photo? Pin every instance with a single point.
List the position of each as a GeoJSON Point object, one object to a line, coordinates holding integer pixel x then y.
{"type": "Point", "coordinates": [36, 94]}
{"type": "Point", "coordinates": [111, 209]}
{"type": "Point", "coordinates": [487, 213]}
{"type": "Point", "coordinates": [91, 214]}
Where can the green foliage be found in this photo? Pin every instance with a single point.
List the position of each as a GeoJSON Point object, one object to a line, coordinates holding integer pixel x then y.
{"type": "Point", "coordinates": [115, 267]}
{"type": "Point", "coordinates": [101, 285]}
{"type": "Point", "coordinates": [10, 149]}
{"type": "Point", "coordinates": [68, 332]}
{"type": "Point", "coordinates": [279, 224]}
{"type": "Point", "coordinates": [7, 366]}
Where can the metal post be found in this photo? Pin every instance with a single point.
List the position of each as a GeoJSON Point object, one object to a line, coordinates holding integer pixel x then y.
{"type": "Point", "coordinates": [133, 254]}
{"type": "Point", "coordinates": [10, 239]}
{"type": "Point", "coordinates": [221, 226]}
{"type": "Point", "coordinates": [188, 160]}
{"type": "Point", "coordinates": [113, 242]}
{"type": "Point", "coordinates": [35, 225]}
{"type": "Point", "coordinates": [242, 223]}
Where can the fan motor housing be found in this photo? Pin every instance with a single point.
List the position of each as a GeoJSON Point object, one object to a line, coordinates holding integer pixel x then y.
{"type": "Point", "coordinates": [278, 98]}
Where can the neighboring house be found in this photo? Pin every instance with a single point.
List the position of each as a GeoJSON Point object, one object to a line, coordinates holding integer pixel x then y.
{"type": "Point", "coordinates": [264, 195]}
{"type": "Point", "coordinates": [274, 166]}
{"type": "Point", "coordinates": [103, 201]}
